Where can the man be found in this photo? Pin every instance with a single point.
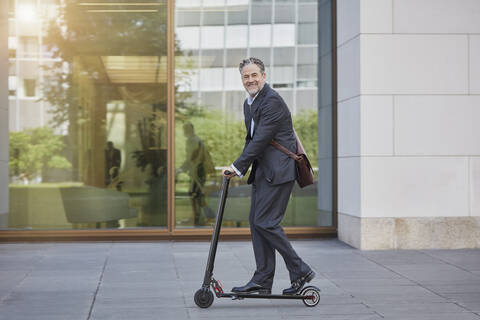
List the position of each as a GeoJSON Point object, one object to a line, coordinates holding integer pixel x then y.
{"type": "Point", "coordinates": [113, 159]}
{"type": "Point", "coordinates": [273, 174]}
{"type": "Point", "coordinates": [197, 164]}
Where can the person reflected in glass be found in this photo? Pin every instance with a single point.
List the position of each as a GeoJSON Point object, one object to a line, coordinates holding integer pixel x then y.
{"type": "Point", "coordinates": [113, 160]}
{"type": "Point", "coordinates": [197, 165]}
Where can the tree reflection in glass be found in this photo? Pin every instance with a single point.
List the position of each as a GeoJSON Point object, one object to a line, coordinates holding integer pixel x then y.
{"type": "Point", "coordinates": [109, 83]}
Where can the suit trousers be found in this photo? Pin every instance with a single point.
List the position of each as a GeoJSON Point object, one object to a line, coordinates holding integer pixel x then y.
{"type": "Point", "coordinates": [268, 204]}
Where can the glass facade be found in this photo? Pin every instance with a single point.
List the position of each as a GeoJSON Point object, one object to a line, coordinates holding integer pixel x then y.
{"type": "Point", "coordinates": [92, 124]}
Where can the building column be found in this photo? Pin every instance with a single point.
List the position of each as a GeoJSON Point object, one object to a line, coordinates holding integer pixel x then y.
{"type": "Point", "coordinates": [348, 122]}
{"type": "Point", "coordinates": [408, 100]}
{"type": "Point", "coordinates": [4, 178]}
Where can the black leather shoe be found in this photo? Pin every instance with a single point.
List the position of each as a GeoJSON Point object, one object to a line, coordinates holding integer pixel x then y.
{"type": "Point", "coordinates": [298, 284]}
{"type": "Point", "coordinates": [252, 287]}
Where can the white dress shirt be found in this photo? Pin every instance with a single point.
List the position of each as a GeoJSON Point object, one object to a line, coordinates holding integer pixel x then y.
{"type": "Point", "coordinates": [252, 125]}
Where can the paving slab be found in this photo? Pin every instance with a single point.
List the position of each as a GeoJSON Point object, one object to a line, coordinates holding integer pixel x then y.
{"type": "Point", "coordinates": [473, 306]}
{"type": "Point", "coordinates": [407, 309]}
{"type": "Point", "coordinates": [445, 316]}
{"type": "Point", "coordinates": [43, 305]}
{"type": "Point", "coordinates": [353, 283]}
{"type": "Point", "coordinates": [454, 288]}
{"type": "Point", "coordinates": [463, 297]}
{"type": "Point", "coordinates": [138, 313]}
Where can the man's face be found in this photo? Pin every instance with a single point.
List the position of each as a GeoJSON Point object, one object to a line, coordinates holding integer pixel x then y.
{"type": "Point", "coordinates": [253, 79]}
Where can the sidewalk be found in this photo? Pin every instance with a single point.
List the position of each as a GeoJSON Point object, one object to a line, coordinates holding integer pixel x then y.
{"type": "Point", "coordinates": [157, 280]}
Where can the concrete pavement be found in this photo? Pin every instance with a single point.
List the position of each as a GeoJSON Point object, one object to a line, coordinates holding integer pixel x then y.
{"type": "Point", "coordinates": [157, 280]}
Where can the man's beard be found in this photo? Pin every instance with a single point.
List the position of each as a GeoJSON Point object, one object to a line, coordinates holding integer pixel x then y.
{"type": "Point", "coordinates": [255, 90]}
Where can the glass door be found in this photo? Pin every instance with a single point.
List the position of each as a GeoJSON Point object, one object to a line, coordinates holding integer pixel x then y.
{"type": "Point", "coordinates": [88, 114]}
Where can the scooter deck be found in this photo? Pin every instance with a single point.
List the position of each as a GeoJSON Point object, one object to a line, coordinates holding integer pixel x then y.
{"type": "Point", "coordinates": [262, 296]}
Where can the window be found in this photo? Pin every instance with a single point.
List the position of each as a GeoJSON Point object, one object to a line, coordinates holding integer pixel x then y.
{"type": "Point", "coordinates": [283, 35]}
{"type": "Point", "coordinates": [212, 37]}
{"type": "Point", "coordinates": [236, 36]}
{"type": "Point", "coordinates": [12, 43]}
{"type": "Point", "coordinates": [29, 87]}
{"type": "Point", "coordinates": [213, 18]}
{"type": "Point", "coordinates": [232, 81]}
{"type": "Point", "coordinates": [307, 33]}
{"type": "Point", "coordinates": [260, 35]}
{"type": "Point", "coordinates": [284, 13]}
{"type": "Point", "coordinates": [211, 79]}
{"type": "Point", "coordinates": [12, 85]}
{"type": "Point", "coordinates": [261, 13]}
{"type": "Point", "coordinates": [188, 37]}
{"type": "Point", "coordinates": [283, 77]}
{"type": "Point", "coordinates": [28, 47]}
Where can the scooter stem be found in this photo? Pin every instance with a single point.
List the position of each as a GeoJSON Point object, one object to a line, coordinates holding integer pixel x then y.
{"type": "Point", "coordinates": [216, 233]}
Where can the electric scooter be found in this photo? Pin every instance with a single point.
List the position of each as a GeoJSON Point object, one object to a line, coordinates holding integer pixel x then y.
{"type": "Point", "coordinates": [204, 297]}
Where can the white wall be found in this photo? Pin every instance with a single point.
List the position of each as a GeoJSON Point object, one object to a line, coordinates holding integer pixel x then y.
{"type": "Point", "coordinates": [408, 108]}
{"type": "Point", "coordinates": [3, 113]}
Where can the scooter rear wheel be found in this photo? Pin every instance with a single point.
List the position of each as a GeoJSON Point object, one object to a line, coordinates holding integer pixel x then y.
{"type": "Point", "coordinates": [313, 292]}
{"type": "Point", "coordinates": [203, 298]}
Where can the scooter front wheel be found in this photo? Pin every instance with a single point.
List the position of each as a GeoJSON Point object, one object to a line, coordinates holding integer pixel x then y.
{"type": "Point", "coordinates": [313, 296]}
{"type": "Point", "coordinates": [203, 298]}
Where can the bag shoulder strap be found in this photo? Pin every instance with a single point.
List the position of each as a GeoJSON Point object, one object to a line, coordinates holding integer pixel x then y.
{"type": "Point", "coordinates": [284, 150]}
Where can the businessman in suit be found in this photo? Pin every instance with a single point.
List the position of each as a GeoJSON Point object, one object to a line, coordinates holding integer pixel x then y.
{"type": "Point", "coordinates": [113, 159]}
{"type": "Point", "coordinates": [272, 177]}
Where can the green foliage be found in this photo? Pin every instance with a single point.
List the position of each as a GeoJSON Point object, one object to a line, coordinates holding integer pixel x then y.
{"type": "Point", "coordinates": [225, 138]}
{"type": "Point", "coordinates": [305, 124]}
{"type": "Point", "coordinates": [34, 149]}
{"type": "Point", "coordinates": [58, 162]}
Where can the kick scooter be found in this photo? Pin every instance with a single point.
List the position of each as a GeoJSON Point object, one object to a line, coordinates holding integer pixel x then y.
{"type": "Point", "coordinates": [204, 296]}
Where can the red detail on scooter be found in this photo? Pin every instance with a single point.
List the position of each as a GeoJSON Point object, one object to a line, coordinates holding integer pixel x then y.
{"type": "Point", "coordinates": [217, 287]}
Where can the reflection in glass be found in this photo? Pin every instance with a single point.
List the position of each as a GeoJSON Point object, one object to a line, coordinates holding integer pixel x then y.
{"type": "Point", "coordinates": [198, 164]}
{"type": "Point", "coordinates": [89, 151]}
{"type": "Point", "coordinates": [211, 96]}
{"type": "Point", "coordinates": [86, 73]}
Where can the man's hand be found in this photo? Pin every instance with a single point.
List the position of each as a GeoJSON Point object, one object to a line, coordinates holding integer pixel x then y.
{"type": "Point", "coordinates": [232, 172]}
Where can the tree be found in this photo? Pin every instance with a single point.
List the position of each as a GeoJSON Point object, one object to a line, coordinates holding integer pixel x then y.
{"type": "Point", "coordinates": [306, 126]}
{"type": "Point", "coordinates": [33, 150]}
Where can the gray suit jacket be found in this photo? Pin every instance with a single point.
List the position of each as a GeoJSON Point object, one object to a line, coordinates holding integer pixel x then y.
{"type": "Point", "coordinates": [272, 121]}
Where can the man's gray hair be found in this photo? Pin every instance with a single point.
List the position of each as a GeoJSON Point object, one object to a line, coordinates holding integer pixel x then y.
{"type": "Point", "coordinates": [252, 60]}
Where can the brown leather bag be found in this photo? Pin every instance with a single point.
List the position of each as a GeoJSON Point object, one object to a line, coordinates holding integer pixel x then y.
{"type": "Point", "coordinates": [304, 169]}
